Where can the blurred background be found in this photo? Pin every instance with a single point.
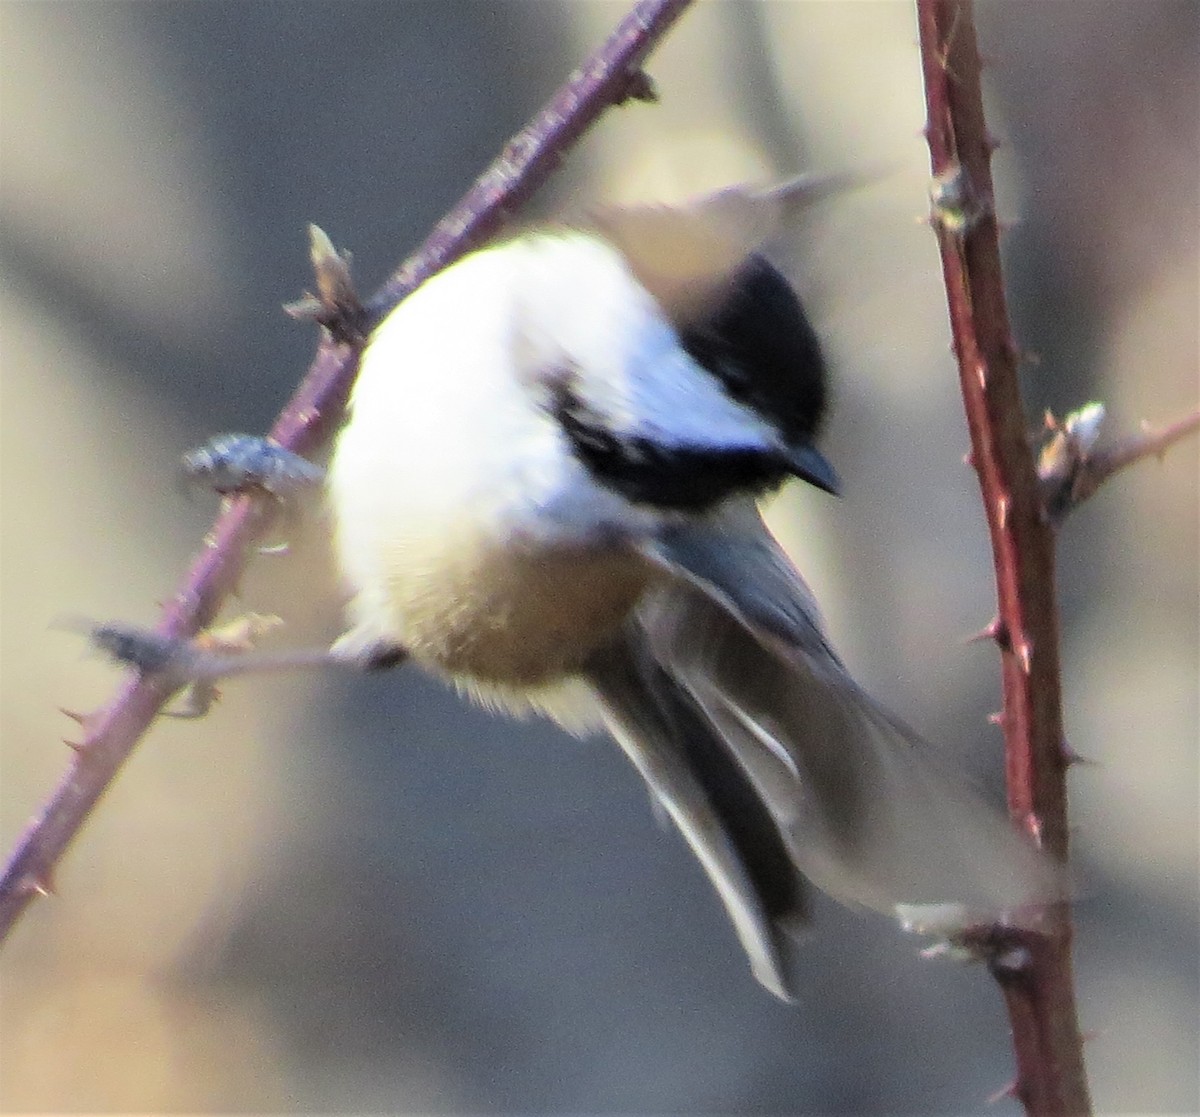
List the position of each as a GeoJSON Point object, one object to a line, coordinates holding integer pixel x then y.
{"type": "Point", "coordinates": [340, 895]}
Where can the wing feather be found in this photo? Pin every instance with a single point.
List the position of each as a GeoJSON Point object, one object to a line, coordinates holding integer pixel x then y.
{"type": "Point", "coordinates": [869, 812]}
{"type": "Point", "coordinates": [691, 774]}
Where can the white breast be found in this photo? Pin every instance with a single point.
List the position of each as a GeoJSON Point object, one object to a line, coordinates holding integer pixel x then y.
{"type": "Point", "coordinates": [466, 530]}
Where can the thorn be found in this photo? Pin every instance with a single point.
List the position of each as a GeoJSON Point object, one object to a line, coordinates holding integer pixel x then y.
{"type": "Point", "coordinates": [86, 722]}
{"type": "Point", "coordinates": [1070, 757]}
{"type": "Point", "coordinates": [1092, 1034]}
{"type": "Point", "coordinates": [1009, 1091]}
{"type": "Point", "coordinates": [38, 884]}
{"type": "Point", "coordinates": [1033, 825]}
{"type": "Point", "coordinates": [992, 143]}
{"type": "Point", "coordinates": [968, 459]}
{"type": "Point", "coordinates": [995, 630]}
{"type": "Point", "coordinates": [1024, 653]}
{"type": "Point", "coordinates": [927, 130]}
{"type": "Point", "coordinates": [996, 718]}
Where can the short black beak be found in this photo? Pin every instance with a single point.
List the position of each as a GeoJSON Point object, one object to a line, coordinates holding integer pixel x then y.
{"type": "Point", "coordinates": [809, 464]}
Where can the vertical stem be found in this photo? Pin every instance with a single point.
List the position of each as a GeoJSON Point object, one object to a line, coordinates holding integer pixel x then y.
{"type": "Point", "coordinates": [1039, 994]}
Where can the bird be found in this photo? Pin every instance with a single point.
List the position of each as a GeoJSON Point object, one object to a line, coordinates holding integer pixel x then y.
{"type": "Point", "coordinates": [546, 492]}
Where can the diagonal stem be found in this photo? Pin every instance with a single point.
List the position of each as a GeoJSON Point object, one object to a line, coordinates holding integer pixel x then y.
{"type": "Point", "coordinates": [612, 75]}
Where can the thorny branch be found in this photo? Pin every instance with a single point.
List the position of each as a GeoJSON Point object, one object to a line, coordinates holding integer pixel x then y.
{"type": "Point", "coordinates": [611, 76]}
{"type": "Point", "coordinates": [1039, 993]}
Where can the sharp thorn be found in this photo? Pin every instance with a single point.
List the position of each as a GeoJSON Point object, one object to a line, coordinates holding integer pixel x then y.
{"type": "Point", "coordinates": [1070, 757]}
{"type": "Point", "coordinates": [995, 630]}
{"type": "Point", "coordinates": [1009, 1091]}
{"type": "Point", "coordinates": [1033, 826]}
{"type": "Point", "coordinates": [38, 884]}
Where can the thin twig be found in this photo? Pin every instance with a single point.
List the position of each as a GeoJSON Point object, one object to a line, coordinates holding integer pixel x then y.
{"type": "Point", "coordinates": [1098, 467]}
{"type": "Point", "coordinates": [612, 75]}
{"type": "Point", "coordinates": [1039, 993]}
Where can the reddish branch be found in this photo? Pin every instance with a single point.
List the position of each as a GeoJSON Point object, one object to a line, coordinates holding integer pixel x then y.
{"type": "Point", "coordinates": [612, 75]}
{"type": "Point", "coordinates": [1039, 993]}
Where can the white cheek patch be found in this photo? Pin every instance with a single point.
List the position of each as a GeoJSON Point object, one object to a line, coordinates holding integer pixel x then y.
{"type": "Point", "coordinates": [673, 401]}
{"type": "Point", "coordinates": [586, 316]}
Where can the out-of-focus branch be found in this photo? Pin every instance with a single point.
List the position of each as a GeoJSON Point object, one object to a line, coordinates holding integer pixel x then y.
{"type": "Point", "coordinates": [1070, 469]}
{"type": "Point", "coordinates": [1039, 992]}
{"type": "Point", "coordinates": [612, 75]}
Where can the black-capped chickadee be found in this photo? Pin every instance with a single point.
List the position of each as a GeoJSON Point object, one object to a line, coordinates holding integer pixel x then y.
{"type": "Point", "coordinates": [545, 492]}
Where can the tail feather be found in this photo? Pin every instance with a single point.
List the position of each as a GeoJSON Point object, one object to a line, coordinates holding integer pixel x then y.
{"type": "Point", "coordinates": [871, 813]}
{"type": "Point", "coordinates": [716, 807]}
{"type": "Point", "coordinates": [780, 770]}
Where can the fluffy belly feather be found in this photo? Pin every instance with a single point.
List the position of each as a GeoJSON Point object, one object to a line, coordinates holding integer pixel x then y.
{"type": "Point", "coordinates": [514, 619]}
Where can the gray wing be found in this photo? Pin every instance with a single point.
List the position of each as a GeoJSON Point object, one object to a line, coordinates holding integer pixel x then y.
{"type": "Point", "coordinates": [693, 776]}
{"type": "Point", "coordinates": [866, 809]}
